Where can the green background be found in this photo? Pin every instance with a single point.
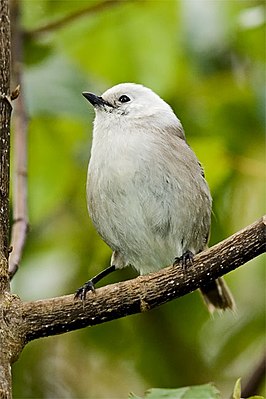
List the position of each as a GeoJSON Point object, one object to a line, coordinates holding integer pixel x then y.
{"type": "Point", "coordinates": [207, 60]}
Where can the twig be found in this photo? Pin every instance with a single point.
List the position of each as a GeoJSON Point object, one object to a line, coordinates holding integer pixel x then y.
{"type": "Point", "coordinates": [20, 178]}
{"type": "Point", "coordinates": [59, 315]}
{"type": "Point", "coordinates": [105, 4]}
{"type": "Point", "coordinates": [20, 188]}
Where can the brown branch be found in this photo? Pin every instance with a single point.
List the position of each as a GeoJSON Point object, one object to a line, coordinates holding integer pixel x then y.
{"type": "Point", "coordinates": [20, 178]}
{"type": "Point", "coordinates": [61, 23]}
{"type": "Point", "coordinates": [59, 315]}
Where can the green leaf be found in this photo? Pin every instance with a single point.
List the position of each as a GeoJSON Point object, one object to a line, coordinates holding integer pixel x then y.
{"type": "Point", "coordinates": [256, 397]}
{"type": "Point", "coordinates": [237, 389]}
{"type": "Point", "coordinates": [133, 396]}
{"type": "Point", "coordinates": [206, 391]}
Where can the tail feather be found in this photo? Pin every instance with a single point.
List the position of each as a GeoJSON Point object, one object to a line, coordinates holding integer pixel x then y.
{"type": "Point", "coordinates": [217, 295]}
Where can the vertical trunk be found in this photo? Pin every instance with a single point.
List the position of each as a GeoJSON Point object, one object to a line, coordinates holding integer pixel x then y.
{"type": "Point", "coordinates": [5, 379]}
{"type": "Point", "coordinates": [5, 113]}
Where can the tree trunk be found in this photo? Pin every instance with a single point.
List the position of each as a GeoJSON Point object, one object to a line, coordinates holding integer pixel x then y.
{"type": "Point", "coordinates": [5, 114]}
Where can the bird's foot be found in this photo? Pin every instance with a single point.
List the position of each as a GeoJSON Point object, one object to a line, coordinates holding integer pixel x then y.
{"type": "Point", "coordinates": [82, 291]}
{"type": "Point", "coordinates": [186, 260]}
{"type": "Point", "coordinates": [89, 285]}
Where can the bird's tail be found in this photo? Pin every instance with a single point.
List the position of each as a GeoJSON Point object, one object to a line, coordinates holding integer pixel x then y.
{"type": "Point", "coordinates": [217, 295]}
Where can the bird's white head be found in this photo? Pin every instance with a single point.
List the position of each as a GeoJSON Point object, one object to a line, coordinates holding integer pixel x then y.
{"type": "Point", "coordinates": [133, 103]}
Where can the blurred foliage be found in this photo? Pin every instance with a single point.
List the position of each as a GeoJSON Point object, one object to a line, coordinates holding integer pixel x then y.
{"type": "Point", "coordinates": [207, 59]}
{"type": "Point", "coordinates": [205, 391]}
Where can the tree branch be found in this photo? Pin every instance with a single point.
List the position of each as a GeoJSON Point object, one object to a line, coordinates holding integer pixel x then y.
{"type": "Point", "coordinates": [61, 23]}
{"type": "Point", "coordinates": [20, 178]}
{"type": "Point", "coordinates": [59, 315]}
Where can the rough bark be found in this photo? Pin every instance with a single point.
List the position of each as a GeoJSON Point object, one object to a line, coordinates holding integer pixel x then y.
{"type": "Point", "coordinates": [26, 321]}
{"type": "Point", "coordinates": [59, 315]}
{"type": "Point", "coordinates": [23, 322]}
{"type": "Point", "coordinates": [5, 114]}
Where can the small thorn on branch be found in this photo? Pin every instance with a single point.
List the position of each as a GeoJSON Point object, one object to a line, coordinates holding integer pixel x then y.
{"type": "Point", "coordinates": [15, 93]}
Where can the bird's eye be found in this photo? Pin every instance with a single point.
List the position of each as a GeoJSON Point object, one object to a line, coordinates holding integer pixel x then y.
{"type": "Point", "coordinates": [124, 99]}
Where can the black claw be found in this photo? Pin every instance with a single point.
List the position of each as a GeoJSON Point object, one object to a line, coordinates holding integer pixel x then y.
{"type": "Point", "coordinates": [186, 260]}
{"type": "Point", "coordinates": [89, 285]}
{"type": "Point", "coordinates": [82, 291]}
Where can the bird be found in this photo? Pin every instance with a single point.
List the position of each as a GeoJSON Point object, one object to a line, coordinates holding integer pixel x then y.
{"type": "Point", "coordinates": [147, 194]}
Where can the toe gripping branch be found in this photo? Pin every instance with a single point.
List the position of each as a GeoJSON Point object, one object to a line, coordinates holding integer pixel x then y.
{"type": "Point", "coordinates": [186, 260]}
{"type": "Point", "coordinates": [89, 285]}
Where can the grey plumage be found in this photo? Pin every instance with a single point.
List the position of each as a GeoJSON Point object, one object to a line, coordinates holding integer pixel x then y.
{"type": "Point", "coordinates": [146, 191]}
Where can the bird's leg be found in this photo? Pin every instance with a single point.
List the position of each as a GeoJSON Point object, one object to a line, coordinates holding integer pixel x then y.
{"type": "Point", "coordinates": [186, 260]}
{"type": "Point", "coordinates": [89, 285]}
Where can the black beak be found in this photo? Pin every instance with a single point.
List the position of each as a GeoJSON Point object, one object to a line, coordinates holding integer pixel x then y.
{"type": "Point", "coordinates": [96, 101]}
